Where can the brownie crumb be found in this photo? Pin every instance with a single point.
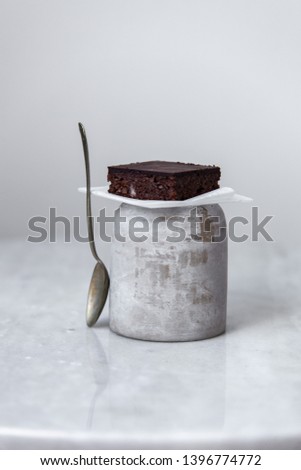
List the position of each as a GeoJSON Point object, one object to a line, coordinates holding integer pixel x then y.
{"type": "Point", "coordinates": [160, 180]}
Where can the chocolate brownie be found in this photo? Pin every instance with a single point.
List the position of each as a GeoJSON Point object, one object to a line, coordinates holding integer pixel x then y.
{"type": "Point", "coordinates": [170, 181]}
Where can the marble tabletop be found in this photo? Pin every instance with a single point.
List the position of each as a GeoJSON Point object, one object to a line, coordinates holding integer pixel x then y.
{"type": "Point", "coordinates": [64, 386]}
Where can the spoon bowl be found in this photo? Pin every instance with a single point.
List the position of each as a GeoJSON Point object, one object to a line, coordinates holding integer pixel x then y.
{"type": "Point", "coordinates": [97, 294]}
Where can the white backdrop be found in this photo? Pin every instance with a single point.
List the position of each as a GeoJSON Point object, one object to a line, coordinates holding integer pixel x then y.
{"type": "Point", "coordinates": [209, 81]}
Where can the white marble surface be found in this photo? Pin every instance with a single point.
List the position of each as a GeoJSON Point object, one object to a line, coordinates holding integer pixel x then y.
{"type": "Point", "coordinates": [66, 386]}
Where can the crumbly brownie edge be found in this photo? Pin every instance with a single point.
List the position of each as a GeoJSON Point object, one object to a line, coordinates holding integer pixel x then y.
{"type": "Point", "coordinates": [144, 187]}
{"type": "Point", "coordinates": [154, 187]}
{"type": "Point", "coordinates": [191, 185]}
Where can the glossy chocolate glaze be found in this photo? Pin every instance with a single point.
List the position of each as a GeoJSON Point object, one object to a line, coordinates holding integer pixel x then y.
{"type": "Point", "coordinates": [158, 167]}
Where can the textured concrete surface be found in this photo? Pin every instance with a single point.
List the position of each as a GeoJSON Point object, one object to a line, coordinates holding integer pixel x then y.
{"type": "Point", "coordinates": [66, 386]}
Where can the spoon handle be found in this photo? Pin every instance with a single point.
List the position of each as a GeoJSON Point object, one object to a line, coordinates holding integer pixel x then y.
{"type": "Point", "coordinates": [88, 194]}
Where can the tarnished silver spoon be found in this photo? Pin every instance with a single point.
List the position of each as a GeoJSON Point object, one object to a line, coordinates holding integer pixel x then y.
{"type": "Point", "coordinates": [100, 281]}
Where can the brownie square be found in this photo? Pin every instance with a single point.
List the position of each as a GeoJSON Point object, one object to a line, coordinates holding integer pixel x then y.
{"type": "Point", "coordinates": [159, 180]}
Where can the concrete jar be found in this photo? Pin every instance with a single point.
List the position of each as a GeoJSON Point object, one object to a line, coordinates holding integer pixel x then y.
{"type": "Point", "coordinates": [169, 285]}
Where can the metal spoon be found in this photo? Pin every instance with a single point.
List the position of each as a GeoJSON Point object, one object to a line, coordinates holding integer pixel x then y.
{"type": "Point", "coordinates": [100, 281]}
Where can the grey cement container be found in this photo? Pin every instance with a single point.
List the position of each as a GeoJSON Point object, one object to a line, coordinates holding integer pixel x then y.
{"type": "Point", "coordinates": [172, 286]}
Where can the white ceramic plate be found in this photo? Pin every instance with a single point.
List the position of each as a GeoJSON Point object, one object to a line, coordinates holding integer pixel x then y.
{"type": "Point", "coordinates": [218, 196]}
